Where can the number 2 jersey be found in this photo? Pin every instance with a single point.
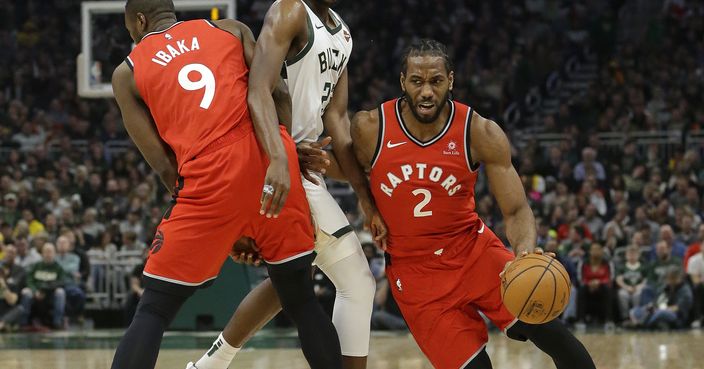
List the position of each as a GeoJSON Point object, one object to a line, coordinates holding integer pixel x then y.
{"type": "Point", "coordinates": [193, 78]}
{"type": "Point", "coordinates": [424, 190]}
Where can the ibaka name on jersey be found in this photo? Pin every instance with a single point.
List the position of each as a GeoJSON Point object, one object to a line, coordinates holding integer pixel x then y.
{"type": "Point", "coordinates": [419, 172]}
{"type": "Point", "coordinates": [164, 57]}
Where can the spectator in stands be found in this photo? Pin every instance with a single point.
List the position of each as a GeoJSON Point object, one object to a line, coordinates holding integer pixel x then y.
{"type": "Point", "coordinates": [631, 280]}
{"type": "Point", "coordinates": [9, 213]}
{"type": "Point", "coordinates": [641, 220]}
{"type": "Point", "coordinates": [678, 198]}
{"type": "Point", "coordinates": [12, 279]}
{"type": "Point", "coordinates": [45, 282]}
{"type": "Point", "coordinates": [575, 246]}
{"type": "Point", "coordinates": [589, 166]}
{"type": "Point", "coordinates": [26, 255]}
{"type": "Point", "coordinates": [130, 242]}
{"type": "Point", "coordinates": [686, 233]}
{"type": "Point", "coordinates": [672, 307]}
{"type": "Point", "coordinates": [90, 228]}
{"type": "Point", "coordinates": [70, 262]}
{"type": "Point", "coordinates": [592, 220]}
{"type": "Point", "coordinates": [695, 247]}
{"type": "Point", "coordinates": [675, 247]}
{"type": "Point", "coordinates": [132, 225]}
{"type": "Point", "coordinates": [657, 270]}
{"type": "Point", "coordinates": [595, 291]}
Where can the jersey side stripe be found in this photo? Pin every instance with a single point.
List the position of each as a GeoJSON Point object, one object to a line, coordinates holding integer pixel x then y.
{"type": "Point", "coordinates": [130, 63]}
{"type": "Point", "coordinates": [380, 139]}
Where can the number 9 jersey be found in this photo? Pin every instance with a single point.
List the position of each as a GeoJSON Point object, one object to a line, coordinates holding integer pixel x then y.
{"type": "Point", "coordinates": [424, 190]}
{"type": "Point", "coordinates": [193, 78]}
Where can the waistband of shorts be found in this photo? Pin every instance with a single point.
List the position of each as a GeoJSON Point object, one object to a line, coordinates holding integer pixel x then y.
{"type": "Point", "coordinates": [235, 134]}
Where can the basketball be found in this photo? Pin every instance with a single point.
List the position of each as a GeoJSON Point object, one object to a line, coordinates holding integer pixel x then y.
{"type": "Point", "coordinates": [535, 288]}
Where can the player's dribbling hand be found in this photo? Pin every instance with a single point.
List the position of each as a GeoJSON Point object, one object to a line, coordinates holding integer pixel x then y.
{"type": "Point", "coordinates": [312, 158]}
{"type": "Point", "coordinates": [278, 177]}
{"type": "Point", "coordinates": [537, 251]}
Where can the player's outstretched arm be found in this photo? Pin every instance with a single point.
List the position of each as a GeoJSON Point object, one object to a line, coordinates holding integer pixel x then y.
{"type": "Point", "coordinates": [281, 24]}
{"type": "Point", "coordinates": [282, 99]}
{"type": "Point", "coordinates": [141, 127]}
{"type": "Point", "coordinates": [490, 146]}
{"type": "Point", "coordinates": [364, 131]}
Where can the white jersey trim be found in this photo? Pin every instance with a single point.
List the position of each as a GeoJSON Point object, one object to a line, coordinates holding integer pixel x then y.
{"type": "Point", "coordinates": [176, 281]}
{"type": "Point", "coordinates": [289, 258]}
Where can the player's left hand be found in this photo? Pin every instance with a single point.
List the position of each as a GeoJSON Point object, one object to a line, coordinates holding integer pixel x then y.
{"type": "Point", "coordinates": [312, 158]}
{"type": "Point", "coordinates": [537, 251]}
{"type": "Point", "coordinates": [378, 228]}
{"type": "Point", "coordinates": [245, 251]}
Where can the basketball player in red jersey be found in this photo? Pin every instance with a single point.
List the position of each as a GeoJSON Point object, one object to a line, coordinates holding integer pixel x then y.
{"type": "Point", "coordinates": [183, 96]}
{"type": "Point", "coordinates": [423, 152]}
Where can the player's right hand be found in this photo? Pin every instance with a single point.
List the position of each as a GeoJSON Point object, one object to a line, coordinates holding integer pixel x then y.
{"type": "Point", "coordinates": [378, 228]}
{"type": "Point", "coordinates": [277, 176]}
{"type": "Point", "coordinates": [312, 158]}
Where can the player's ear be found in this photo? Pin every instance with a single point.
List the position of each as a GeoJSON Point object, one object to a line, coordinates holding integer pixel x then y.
{"type": "Point", "coordinates": [451, 78]}
{"type": "Point", "coordinates": [402, 80]}
{"type": "Point", "coordinates": [141, 23]}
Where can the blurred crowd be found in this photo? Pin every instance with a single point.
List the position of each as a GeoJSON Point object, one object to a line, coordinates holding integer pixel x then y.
{"type": "Point", "coordinates": [626, 222]}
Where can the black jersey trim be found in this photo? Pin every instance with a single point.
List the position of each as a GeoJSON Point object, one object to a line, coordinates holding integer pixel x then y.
{"type": "Point", "coordinates": [309, 44]}
{"type": "Point", "coordinates": [162, 31]}
{"type": "Point", "coordinates": [467, 142]}
{"type": "Point", "coordinates": [437, 137]}
{"type": "Point", "coordinates": [334, 17]}
{"type": "Point", "coordinates": [342, 231]}
{"type": "Point", "coordinates": [129, 63]}
{"type": "Point", "coordinates": [380, 138]}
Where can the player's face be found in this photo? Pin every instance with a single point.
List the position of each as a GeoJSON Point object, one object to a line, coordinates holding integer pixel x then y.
{"type": "Point", "coordinates": [427, 84]}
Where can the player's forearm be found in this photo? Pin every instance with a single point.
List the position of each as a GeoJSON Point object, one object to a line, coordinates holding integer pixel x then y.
{"type": "Point", "coordinates": [333, 170]}
{"type": "Point", "coordinates": [520, 229]}
{"type": "Point", "coordinates": [344, 153]}
{"type": "Point", "coordinates": [263, 112]}
{"type": "Point", "coordinates": [282, 101]}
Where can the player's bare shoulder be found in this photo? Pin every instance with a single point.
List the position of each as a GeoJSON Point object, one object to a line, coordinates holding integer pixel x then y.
{"type": "Point", "coordinates": [488, 141]}
{"type": "Point", "coordinates": [364, 130]}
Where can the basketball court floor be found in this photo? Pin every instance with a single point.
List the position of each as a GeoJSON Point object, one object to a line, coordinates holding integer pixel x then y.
{"type": "Point", "coordinates": [277, 350]}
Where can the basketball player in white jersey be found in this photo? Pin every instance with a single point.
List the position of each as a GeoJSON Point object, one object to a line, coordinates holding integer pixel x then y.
{"type": "Point", "coordinates": [314, 45]}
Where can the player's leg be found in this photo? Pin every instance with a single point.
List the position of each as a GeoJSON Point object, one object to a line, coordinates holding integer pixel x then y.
{"type": "Point", "coordinates": [355, 287]}
{"type": "Point", "coordinates": [341, 258]}
{"type": "Point", "coordinates": [554, 339]}
{"type": "Point", "coordinates": [427, 295]}
{"type": "Point", "coordinates": [294, 286]}
{"type": "Point", "coordinates": [256, 309]}
{"type": "Point", "coordinates": [480, 361]}
{"type": "Point", "coordinates": [139, 346]}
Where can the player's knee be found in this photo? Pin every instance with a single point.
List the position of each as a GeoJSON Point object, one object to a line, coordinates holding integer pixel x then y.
{"type": "Point", "coordinates": [162, 305]}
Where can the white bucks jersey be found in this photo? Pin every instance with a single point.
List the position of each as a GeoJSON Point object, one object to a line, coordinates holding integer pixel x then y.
{"type": "Point", "coordinates": [312, 74]}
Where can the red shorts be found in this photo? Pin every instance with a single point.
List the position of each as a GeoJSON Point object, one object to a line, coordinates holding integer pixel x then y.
{"type": "Point", "coordinates": [440, 296]}
{"type": "Point", "coordinates": [218, 202]}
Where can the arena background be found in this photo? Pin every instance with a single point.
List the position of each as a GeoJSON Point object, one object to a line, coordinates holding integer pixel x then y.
{"type": "Point", "coordinates": [602, 101]}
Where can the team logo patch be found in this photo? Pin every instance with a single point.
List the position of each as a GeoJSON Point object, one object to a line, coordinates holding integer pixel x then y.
{"type": "Point", "coordinates": [398, 284]}
{"type": "Point", "coordinates": [451, 149]}
{"type": "Point", "coordinates": [158, 242]}
{"type": "Point", "coordinates": [347, 35]}
{"type": "Point", "coordinates": [168, 36]}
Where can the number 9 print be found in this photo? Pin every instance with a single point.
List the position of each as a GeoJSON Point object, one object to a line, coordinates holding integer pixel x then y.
{"type": "Point", "coordinates": [207, 81]}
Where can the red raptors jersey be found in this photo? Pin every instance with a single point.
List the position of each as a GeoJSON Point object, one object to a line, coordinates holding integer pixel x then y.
{"type": "Point", "coordinates": [193, 78]}
{"type": "Point", "coordinates": [424, 190]}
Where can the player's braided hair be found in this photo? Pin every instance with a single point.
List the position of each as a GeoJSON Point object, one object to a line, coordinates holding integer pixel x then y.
{"type": "Point", "coordinates": [150, 8]}
{"type": "Point", "coordinates": [426, 47]}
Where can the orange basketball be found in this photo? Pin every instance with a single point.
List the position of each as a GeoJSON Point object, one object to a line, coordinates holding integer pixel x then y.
{"type": "Point", "coordinates": [535, 288]}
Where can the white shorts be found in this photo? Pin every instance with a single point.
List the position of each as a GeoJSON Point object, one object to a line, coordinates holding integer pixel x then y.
{"type": "Point", "coordinates": [330, 223]}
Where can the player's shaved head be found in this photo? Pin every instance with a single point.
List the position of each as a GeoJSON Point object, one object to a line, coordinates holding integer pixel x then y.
{"type": "Point", "coordinates": [150, 8]}
{"type": "Point", "coordinates": [426, 47]}
{"type": "Point", "coordinates": [144, 16]}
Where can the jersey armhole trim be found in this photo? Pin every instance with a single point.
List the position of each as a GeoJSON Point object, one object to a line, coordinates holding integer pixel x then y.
{"type": "Point", "coordinates": [467, 142]}
{"type": "Point", "coordinates": [311, 39]}
{"type": "Point", "coordinates": [129, 63]}
{"type": "Point", "coordinates": [380, 138]}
